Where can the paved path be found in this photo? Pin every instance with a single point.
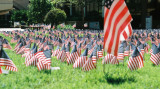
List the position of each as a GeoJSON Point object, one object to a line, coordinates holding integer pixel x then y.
{"type": "Point", "coordinates": [10, 29]}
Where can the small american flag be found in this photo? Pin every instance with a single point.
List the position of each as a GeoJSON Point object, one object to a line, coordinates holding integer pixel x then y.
{"type": "Point", "coordinates": [44, 60]}
{"type": "Point", "coordinates": [31, 59]}
{"type": "Point", "coordinates": [6, 44]}
{"type": "Point", "coordinates": [54, 53]}
{"type": "Point", "coordinates": [120, 52]}
{"type": "Point", "coordinates": [99, 51]}
{"type": "Point", "coordinates": [62, 54]}
{"type": "Point", "coordinates": [107, 59]}
{"type": "Point", "coordinates": [90, 63]}
{"type": "Point", "coordinates": [73, 56]}
{"type": "Point", "coordinates": [136, 60]}
{"type": "Point", "coordinates": [126, 51]}
{"type": "Point", "coordinates": [6, 61]}
{"type": "Point", "coordinates": [81, 60]}
{"type": "Point", "coordinates": [155, 55]}
{"type": "Point", "coordinates": [79, 49]}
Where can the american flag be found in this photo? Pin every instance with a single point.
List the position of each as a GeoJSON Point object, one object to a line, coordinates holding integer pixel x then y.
{"type": "Point", "coordinates": [30, 56]}
{"type": "Point", "coordinates": [54, 53]}
{"type": "Point", "coordinates": [6, 61]}
{"type": "Point", "coordinates": [81, 60]}
{"type": "Point", "coordinates": [15, 39]}
{"type": "Point", "coordinates": [91, 62]}
{"type": "Point", "coordinates": [136, 60]}
{"type": "Point", "coordinates": [44, 60]}
{"type": "Point", "coordinates": [6, 44]}
{"type": "Point", "coordinates": [126, 51]}
{"type": "Point", "coordinates": [107, 59]}
{"type": "Point", "coordinates": [73, 56]}
{"type": "Point", "coordinates": [17, 45]}
{"type": "Point", "coordinates": [25, 49]}
{"type": "Point", "coordinates": [126, 33]}
{"type": "Point", "coordinates": [155, 55]}
{"type": "Point", "coordinates": [146, 47]}
{"type": "Point", "coordinates": [79, 49]}
{"type": "Point", "coordinates": [116, 18]}
{"type": "Point", "coordinates": [62, 54]}
{"type": "Point", "coordinates": [120, 52]}
{"type": "Point", "coordinates": [99, 52]}
{"type": "Point", "coordinates": [151, 50]}
{"type": "Point", "coordinates": [142, 49]}
{"type": "Point", "coordinates": [114, 60]}
{"type": "Point", "coordinates": [68, 50]}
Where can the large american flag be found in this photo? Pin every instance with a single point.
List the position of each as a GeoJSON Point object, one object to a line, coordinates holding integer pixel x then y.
{"type": "Point", "coordinates": [116, 19]}
{"type": "Point", "coordinates": [6, 61]}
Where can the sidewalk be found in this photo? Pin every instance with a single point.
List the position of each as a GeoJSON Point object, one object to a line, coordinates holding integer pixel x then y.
{"type": "Point", "coordinates": [10, 29]}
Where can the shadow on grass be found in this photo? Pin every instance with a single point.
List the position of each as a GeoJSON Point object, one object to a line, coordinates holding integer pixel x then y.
{"type": "Point", "coordinates": [154, 65]}
{"type": "Point", "coordinates": [117, 79]}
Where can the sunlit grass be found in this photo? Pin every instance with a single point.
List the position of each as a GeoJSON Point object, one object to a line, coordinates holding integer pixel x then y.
{"type": "Point", "coordinates": [115, 76]}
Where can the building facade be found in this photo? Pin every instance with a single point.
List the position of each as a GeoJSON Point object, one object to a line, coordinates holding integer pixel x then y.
{"type": "Point", "coordinates": [6, 6]}
{"type": "Point", "coordinates": [139, 9]}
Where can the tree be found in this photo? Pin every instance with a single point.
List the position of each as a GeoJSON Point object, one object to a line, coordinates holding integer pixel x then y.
{"type": "Point", "coordinates": [55, 16]}
{"type": "Point", "coordinates": [19, 15]}
{"type": "Point", "coordinates": [37, 10]}
{"type": "Point", "coordinates": [80, 3]}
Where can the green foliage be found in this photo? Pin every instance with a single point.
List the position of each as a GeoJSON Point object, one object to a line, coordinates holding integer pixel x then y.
{"type": "Point", "coordinates": [55, 16]}
{"type": "Point", "coordinates": [19, 15]}
{"type": "Point", "coordinates": [65, 27]}
{"type": "Point", "coordinates": [37, 10]}
{"type": "Point", "coordinates": [116, 76]}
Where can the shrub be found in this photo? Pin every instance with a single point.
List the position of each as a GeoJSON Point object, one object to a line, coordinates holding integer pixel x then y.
{"type": "Point", "coordinates": [55, 16]}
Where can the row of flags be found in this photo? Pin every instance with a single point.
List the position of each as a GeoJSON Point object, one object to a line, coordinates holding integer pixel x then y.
{"type": "Point", "coordinates": [67, 46]}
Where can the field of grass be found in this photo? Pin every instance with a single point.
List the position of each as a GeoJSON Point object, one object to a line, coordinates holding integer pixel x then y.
{"type": "Point", "coordinates": [115, 76]}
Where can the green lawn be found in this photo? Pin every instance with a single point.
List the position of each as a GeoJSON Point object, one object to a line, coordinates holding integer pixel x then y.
{"type": "Point", "coordinates": [115, 76]}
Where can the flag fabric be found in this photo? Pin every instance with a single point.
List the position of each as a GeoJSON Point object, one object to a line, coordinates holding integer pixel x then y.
{"type": "Point", "coordinates": [44, 60]}
{"type": "Point", "coordinates": [79, 49]}
{"type": "Point", "coordinates": [56, 52]}
{"type": "Point", "coordinates": [25, 49]}
{"type": "Point", "coordinates": [6, 61]}
{"type": "Point", "coordinates": [114, 60]}
{"type": "Point", "coordinates": [116, 18]}
{"type": "Point", "coordinates": [136, 60]}
{"type": "Point", "coordinates": [73, 56]}
{"type": "Point", "coordinates": [127, 50]}
{"type": "Point", "coordinates": [91, 62]}
{"type": "Point", "coordinates": [155, 55]}
{"type": "Point", "coordinates": [68, 50]}
{"type": "Point", "coordinates": [107, 59]}
{"type": "Point", "coordinates": [99, 52]}
{"type": "Point", "coordinates": [62, 54]}
{"type": "Point", "coordinates": [31, 59]}
{"type": "Point", "coordinates": [81, 60]}
{"type": "Point", "coordinates": [6, 44]}
{"type": "Point", "coordinates": [120, 52]}
{"type": "Point", "coordinates": [126, 33]}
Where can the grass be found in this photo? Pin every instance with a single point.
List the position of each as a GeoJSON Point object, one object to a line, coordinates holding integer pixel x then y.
{"type": "Point", "coordinates": [115, 76]}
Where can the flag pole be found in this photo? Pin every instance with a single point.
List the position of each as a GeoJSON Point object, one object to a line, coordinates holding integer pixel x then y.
{"type": "Point", "coordinates": [104, 62]}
